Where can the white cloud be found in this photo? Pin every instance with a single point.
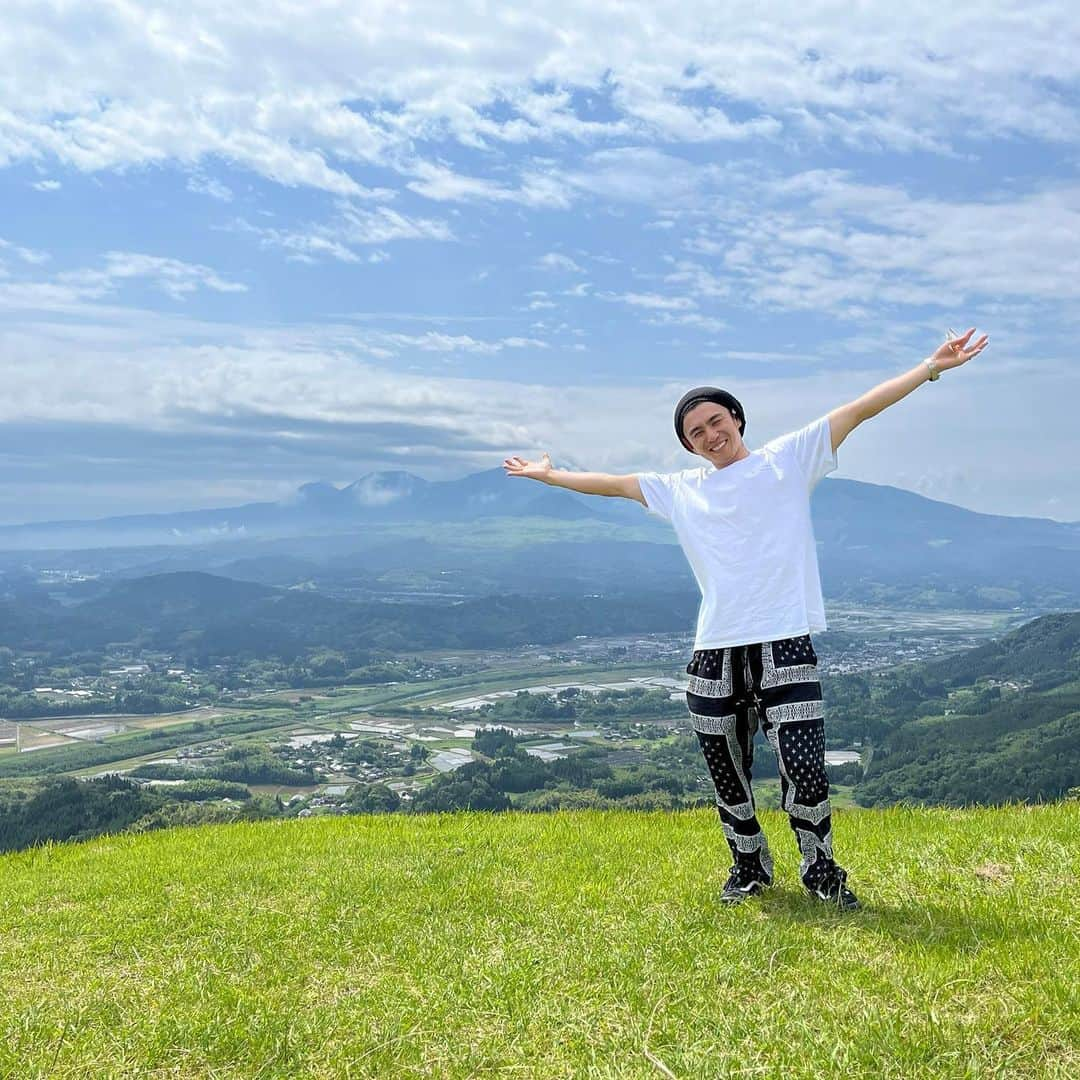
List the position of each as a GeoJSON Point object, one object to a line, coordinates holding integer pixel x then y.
{"type": "Point", "coordinates": [694, 319]}
{"type": "Point", "coordinates": [652, 301]}
{"type": "Point", "coordinates": [667, 311]}
{"type": "Point", "coordinates": [649, 99]}
{"type": "Point", "coordinates": [444, 185]}
{"type": "Point", "coordinates": [554, 260]}
{"type": "Point", "coordinates": [640, 175]}
{"type": "Point", "coordinates": [333, 392]}
{"type": "Point", "coordinates": [822, 241]}
{"type": "Point", "coordinates": [434, 341]}
{"type": "Point", "coordinates": [439, 183]}
{"type": "Point", "coordinates": [307, 95]}
{"type": "Point", "coordinates": [372, 491]}
{"type": "Point", "coordinates": [207, 185]}
{"type": "Point", "coordinates": [27, 255]}
{"type": "Point", "coordinates": [72, 290]}
{"type": "Point", "coordinates": [383, 225]}
{"type": "Point", "coordinates": [172, 276]}
{"type": "Point", "coordinates": [763, 357]}
{"type": "Point", "coordinates": [700, 281]}
{"type": "Point", "coordinates": [354, 227]}
{"type": "Point", "coordinates": [46, 185]}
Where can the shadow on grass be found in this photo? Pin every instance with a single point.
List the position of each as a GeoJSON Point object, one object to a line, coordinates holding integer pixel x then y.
{"type": "Point", "coordinates": [956, 927]}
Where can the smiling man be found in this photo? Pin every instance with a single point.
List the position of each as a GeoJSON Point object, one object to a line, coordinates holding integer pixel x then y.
{"type": "Point", "coordinates": [743, 521]}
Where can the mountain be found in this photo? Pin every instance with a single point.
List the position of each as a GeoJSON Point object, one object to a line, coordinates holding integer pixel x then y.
{"type": "Point", "coordinates": [848, 514]}
{"type": "Point", "coordinates": [318, 507]}
{"type": "Point", "coordinates": [877, 544]}
{"type": "Point", "coordinates": [892, 535]}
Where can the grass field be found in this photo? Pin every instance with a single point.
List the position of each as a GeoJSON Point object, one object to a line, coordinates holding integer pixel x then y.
{"type": "Point", "coordinates": [575, 944]}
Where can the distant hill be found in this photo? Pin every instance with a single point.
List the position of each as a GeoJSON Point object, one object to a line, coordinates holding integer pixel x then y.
{"type": "Point", "coordinates": [205, 617]}
{"type": "Point", "coordinates": [1000, 722]}
{"type": "Point", "coordinates": [178, 596]}
{"type": "Point", "coordinates": [872, 533]}
{"type": "Point", "coordinates": [1045, 652]}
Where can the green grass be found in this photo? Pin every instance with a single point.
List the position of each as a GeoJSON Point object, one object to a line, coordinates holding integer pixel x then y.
{"type": "Point", "coordinates": [767, 795]}
{"type": "Point", "coordinates": [575, 944]}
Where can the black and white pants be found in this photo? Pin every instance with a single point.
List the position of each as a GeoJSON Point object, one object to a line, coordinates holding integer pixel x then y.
{"type": "Point", "coordinates": [774, 683]}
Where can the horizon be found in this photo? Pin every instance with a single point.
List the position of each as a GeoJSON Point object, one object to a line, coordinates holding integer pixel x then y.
{"type": "Point", "coordinates": [341, 486]}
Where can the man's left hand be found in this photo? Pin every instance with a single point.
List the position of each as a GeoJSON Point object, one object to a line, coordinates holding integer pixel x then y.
{"type": "Point", "coordinates": [959, 350]}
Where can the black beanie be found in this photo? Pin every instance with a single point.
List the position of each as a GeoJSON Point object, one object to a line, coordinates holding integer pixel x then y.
{"type": "Point", "coordinates": [706, 393]}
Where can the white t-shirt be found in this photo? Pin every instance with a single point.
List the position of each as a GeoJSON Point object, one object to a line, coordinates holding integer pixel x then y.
{"type": "Point", "coordinates": [746, 531]}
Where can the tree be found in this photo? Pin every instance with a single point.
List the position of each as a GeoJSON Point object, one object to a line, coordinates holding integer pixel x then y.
{"type": "Point", "coordinates": [373, 799]}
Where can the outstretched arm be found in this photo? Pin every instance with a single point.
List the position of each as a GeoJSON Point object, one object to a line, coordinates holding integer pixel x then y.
{"type": "Point", "coordinates": [588, 483]}
{"type": "Point", "coordinates": [953, 353]}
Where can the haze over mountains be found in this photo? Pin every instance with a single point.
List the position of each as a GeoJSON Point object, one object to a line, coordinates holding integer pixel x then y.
{"type": "Point", "coordinates": [470, 535]}
{"type": "Point", "coordinates": [320, 507]}
{"type": "Point", "coordinates": [845, 506]}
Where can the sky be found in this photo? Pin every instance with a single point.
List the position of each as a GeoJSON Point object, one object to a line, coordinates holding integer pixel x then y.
{"type": "Point", "coordinates": [245, 247]}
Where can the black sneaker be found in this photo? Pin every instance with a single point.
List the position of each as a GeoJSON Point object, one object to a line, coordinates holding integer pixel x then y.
{"type": "Point", "coordinates": [832, 890]}
{"type": "Point", "coordinates": [742, 883]}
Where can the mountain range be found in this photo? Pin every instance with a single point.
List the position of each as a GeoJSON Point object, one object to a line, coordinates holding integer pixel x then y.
{"type": "Point", "coordinates": [488, 533]}
{"type": "Point", "coordinates": [401, 497]}
{"type": "Point", "coordinates": [385, 497]}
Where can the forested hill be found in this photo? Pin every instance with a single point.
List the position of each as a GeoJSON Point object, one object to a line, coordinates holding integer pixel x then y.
{"type": "Point", "coordinates": [204, 617]}
{"type": "Point", "coordinates": [997, 723]}
{"type": "Point", "coordinates": [1045, 651]}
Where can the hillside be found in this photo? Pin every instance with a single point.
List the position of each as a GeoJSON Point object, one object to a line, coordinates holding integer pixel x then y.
{"type": "Point", "coordinates": [207, 617]}
{"type": "Point", "coordinates": [1045, 651]}
{"type": "Point", "coordinates": [579, 943]}
{"type": "Point", "coordinates": [997, 723]}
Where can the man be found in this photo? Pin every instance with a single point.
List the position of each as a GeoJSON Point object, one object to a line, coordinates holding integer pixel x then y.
{"type": "Point", "coordinates": [743, 521]}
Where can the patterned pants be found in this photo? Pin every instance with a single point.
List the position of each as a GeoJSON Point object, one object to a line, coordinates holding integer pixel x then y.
{"type": "Point", "coordinates": [775, 683]}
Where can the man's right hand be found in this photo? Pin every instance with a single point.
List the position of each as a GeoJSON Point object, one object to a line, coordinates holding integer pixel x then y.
{"type": "Point", "coordinates": [585, 483]}
{"type": "Point", "coordinates": [533, 470]}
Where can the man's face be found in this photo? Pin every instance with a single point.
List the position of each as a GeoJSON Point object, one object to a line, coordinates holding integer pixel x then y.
{"type": "Point", "coordinates": [713, 433]}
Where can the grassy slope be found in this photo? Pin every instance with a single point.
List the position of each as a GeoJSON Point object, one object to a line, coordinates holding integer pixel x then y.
{"type": "Point", "coordinates": [584, 943]}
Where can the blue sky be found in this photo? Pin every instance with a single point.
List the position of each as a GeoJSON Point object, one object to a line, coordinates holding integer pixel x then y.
{"type": "Point", "coordinates": [242, 250]}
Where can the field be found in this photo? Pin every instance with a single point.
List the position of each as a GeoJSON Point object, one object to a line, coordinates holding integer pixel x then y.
{"type": "Point", "coordinates": [281, 713]}
{"type": "Point", "coordinates": [586, 943]}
